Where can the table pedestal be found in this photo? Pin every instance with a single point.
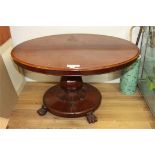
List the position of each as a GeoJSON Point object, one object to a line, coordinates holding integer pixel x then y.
{"type": "Point", "coordinates": [71, 98]}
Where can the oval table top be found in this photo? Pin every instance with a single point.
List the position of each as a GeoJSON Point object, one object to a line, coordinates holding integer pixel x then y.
{"type": "Point", "coordinates": [75, 54]}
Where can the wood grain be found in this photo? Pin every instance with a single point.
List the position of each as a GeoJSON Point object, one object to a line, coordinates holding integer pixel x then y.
{"type": "Point", "coordinates": [116, 110]}
{"type": "Point", "coordinates": [93, 54]}
{"type": "Point", "coordinates": [3, 123]}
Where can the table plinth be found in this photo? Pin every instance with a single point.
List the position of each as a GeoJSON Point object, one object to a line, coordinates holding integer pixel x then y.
{"type": "Point", "coordinates": [71, 98]}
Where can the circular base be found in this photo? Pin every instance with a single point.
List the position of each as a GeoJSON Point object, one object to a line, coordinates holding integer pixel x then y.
{"type": "Point", "coordinates": [72, 103]}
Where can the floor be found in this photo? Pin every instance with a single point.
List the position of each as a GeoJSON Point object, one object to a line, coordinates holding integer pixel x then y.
{"type": "Point", "coordinates": [116, 110]}
{"type": "Point", "coordinates": [3, 123]}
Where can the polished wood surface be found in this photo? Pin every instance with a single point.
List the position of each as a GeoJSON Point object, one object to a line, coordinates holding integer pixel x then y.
{"type": "Point", "coordinates": [71, 98]}
{"type": "Point", "coordinates": [71, 56]}
{"type": "Point", "coordinates": [75, 54]}
{"type": "Point", "coordinates": [4, 34]}
{"type": "Point", "coordinates": [116, 110]}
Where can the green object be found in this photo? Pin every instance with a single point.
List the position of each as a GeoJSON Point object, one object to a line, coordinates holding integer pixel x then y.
{"type": "Point", "coordinates": [129, 78]}
{"type": "Point", "coordinates": [150, 83]}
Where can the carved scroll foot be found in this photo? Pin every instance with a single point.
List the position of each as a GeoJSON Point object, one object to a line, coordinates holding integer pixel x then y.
{"type": "Point", "coordinates": [42, 111]}
{"type": "Point", "coordinates": [91, 118]}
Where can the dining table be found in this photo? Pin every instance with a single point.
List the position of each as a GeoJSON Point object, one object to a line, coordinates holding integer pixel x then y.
{"type": "Point", "coordinates": [72, 56]}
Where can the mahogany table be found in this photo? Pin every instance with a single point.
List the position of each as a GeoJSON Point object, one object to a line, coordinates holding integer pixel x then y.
{"type": "Point", "coordinates": [71, 56]}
